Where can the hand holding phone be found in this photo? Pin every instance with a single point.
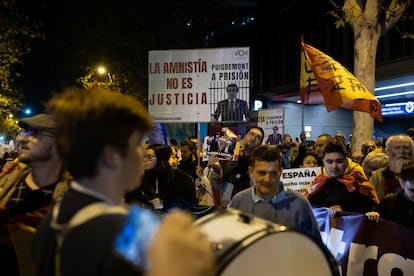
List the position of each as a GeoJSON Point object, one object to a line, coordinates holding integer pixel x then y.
{"type": "Point", "coordinates": [133, 242]}
{"type": "Point", "coordinates": [174, 246]}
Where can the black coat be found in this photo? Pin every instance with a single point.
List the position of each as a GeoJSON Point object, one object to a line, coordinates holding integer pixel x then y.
{"type": "Point", "coordinates": [224, 112]}
{"type": "Point", "coordinates": [175, 188]}
{"type": "Point", "coordinates": [398, 208]}
{"type": "Point", "coordinates": [334, 192]}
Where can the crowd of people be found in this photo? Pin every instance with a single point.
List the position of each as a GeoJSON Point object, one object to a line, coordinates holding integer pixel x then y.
{"type": "Point", "coordinates": [63, 209]}
{"type": "Point", "coordinates": [66, 195]}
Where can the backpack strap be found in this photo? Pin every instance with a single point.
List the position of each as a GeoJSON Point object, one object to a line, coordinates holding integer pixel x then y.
{"type": "Point", "coordinates": [85, 214]}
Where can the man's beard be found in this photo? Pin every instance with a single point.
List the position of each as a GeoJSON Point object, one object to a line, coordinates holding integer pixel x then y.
{"type": "Point", "coordinates": [397, 164]}
{"type": "Point", "coordinates": [25, 158]}
{"type": "Point", "coordinates": [248, 148]}
{"type": "Point", "coordinates": [29, 158]}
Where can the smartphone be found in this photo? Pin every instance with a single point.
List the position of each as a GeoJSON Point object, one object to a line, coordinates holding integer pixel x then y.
{"type": "Point", "coordinates": [134, 239]}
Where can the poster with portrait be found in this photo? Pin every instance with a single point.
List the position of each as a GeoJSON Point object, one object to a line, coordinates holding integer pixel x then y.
{"type": "Point", "coordinates": [221, 142]}
{"type": "Point", "coordinates": [272, 122]}
{"type": "Point", "coordinates": [199, 85]}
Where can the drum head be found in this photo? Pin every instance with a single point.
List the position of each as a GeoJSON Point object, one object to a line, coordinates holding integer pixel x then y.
{"type": "Point", "coordinates": [282, 253]}
{"type": "Point", "coordinates": [244, 244]}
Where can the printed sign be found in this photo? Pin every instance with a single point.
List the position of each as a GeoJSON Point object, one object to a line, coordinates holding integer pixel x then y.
{"type": "Point", "coordinates": [364, 247]}
{"type": "Point", "coordinates": [299, 179]}
{"type": "Point", "coordinates": [188, 85]}
{"type": "Point", "coordinates": [224, 144]}
{"type": "Point", "coordinates": [271, 120]}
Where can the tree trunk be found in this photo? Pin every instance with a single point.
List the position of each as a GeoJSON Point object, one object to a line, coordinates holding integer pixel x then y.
{"type": "Point", "coordinates": [368, 19]}
{"type": "Point", "coordinates": [366, 41]}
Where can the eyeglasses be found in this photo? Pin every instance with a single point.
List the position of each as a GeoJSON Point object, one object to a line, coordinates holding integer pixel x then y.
{"type": "Point", "coordinates": [36, 133]}
{"type": "Point", "coordinates": [149, 156]}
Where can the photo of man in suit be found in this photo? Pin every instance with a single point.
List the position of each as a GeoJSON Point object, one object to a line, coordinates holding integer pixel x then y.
{"type": "Point", "coordinates": [232, 109]}
{"type": "Point", "coordinates": [274, 138]}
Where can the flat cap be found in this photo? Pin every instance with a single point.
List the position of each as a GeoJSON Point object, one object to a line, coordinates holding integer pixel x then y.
{"type": "Point", "coordinates": [40, 121]}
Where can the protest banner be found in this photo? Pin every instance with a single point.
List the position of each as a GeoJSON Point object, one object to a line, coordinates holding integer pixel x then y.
{"type": "Point", "coordinates": [222, 143]}
{"type": "Point", "coordinates": [299, 179]}
{"type": "Point", "coordinates": [268, 119]}
{"type": "Point", "coordinates": [364, 247]}
{"type": "Point", "coordinates": [187, 85]}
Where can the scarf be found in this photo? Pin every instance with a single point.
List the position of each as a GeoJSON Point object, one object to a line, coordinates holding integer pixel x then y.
{"type": "Point", "coordinates": [354, 179]}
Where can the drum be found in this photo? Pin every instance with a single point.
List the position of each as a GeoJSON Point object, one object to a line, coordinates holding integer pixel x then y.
{"type": "Point", "coordinates": [247, 245]}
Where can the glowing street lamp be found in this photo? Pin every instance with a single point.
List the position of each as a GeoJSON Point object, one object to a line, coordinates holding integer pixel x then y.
{"type": "Point", "coordinates": [101, 70]}
{"type": "Point", "coordinates": [27, 111]}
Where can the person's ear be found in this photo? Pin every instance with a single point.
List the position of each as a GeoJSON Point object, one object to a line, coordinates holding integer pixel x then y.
{"type": "Point", "coordinates": [109, 157]}
{"type": "Point", "coordinates": [250, 169]}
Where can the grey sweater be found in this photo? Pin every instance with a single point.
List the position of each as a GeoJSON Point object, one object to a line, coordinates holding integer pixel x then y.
{"type": "Point", "coordinates": [291, 209]}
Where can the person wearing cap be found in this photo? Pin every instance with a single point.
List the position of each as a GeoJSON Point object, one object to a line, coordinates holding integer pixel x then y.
{"type": "Point", "coordinates": [26, 195]}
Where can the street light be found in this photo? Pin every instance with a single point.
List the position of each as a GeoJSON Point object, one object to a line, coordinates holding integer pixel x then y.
{"type": "Point", "coordinates": [27, 111]}
{"type": "Point", "coordinates": [102, 70]}
{"type": "Point", "coordinates": [98, 76]}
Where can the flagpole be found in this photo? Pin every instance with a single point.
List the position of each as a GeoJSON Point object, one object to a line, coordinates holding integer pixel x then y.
{"type": "Point", "coordinates": [198, 145]}
{"type": "Point", "coordinates": [302, 103]}
{"type": "Point", "coordinates": [303, 117]}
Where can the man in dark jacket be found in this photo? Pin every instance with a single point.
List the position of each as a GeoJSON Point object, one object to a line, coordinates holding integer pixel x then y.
{"type": "Point", "coordinates": [231, 177]}
{"type": "Point", "coordinates": [232, 109]}
{"type": "Point", "coordinates": [274, 138]}
{"type": "Point", "coordinates": [188, 161]}
{"type": "Point", "coordinates": [399, 206]}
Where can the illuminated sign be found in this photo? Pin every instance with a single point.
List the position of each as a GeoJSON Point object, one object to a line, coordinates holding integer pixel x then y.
{"type": "Point", "coordinates": [258, 105]}
{"type": "Point", "coordinates": [395, 109]}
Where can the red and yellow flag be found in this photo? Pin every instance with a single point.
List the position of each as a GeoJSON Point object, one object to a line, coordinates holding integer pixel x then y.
{"type": "Point", "coordinates": [323, 76]}
{"type": "Point", "coordinates": [309, 89]}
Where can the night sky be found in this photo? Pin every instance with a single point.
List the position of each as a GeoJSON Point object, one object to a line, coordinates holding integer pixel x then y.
{"type": "Point", "coordinates": [84, 33]}
{"type": "Point", "coordinates": [117, 34]}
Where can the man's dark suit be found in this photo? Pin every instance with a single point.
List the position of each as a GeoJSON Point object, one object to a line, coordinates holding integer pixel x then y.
{"type": "Point", "coordinates": [231, 112]}
{"type": "Point", "coordinates": [274, 140]}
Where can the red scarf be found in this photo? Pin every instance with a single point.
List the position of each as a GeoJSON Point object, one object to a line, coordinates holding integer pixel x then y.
{"type": "Point", "coordinates": [354, 179]}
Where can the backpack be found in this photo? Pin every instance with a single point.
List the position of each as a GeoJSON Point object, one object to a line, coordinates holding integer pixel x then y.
{"type": "Point", "coordinates": [82, 216]}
